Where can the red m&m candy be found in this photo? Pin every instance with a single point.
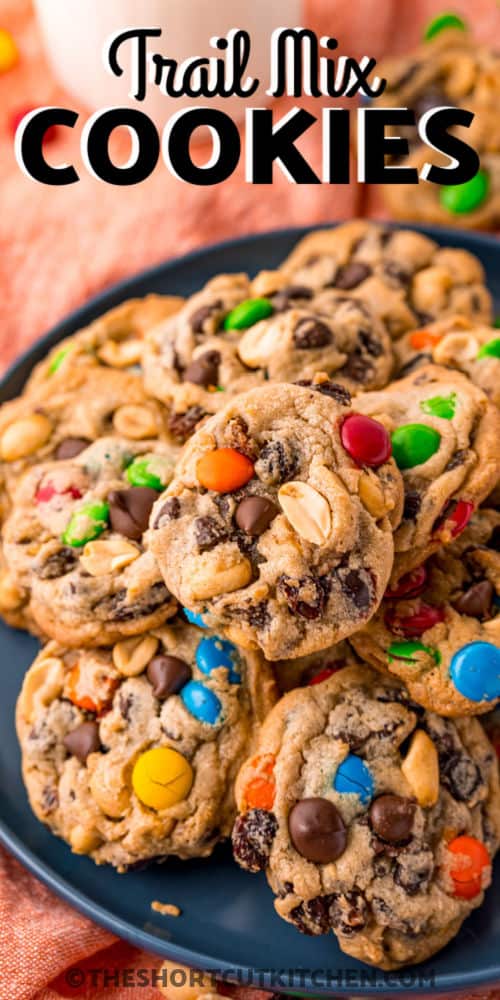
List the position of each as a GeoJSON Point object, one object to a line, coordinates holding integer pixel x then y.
{"type": "Point", "coordinates": [410, 585]}
{"type": "Point", "coordinates": [455, 517]}
{"type": "Point", "coordinates": [47, 492]}
{"type": "Point", "coordinates": [467, 872]}
{"type": "Point", "coordinates": [423, 618]}
{"type": "Point", "coordinates": [325, 673]}
{"type": "Point", "coordinates": [365, 440]}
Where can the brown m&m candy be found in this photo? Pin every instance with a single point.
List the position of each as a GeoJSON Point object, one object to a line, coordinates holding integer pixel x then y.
{"type": "Point", "coordinates": [83, 740]}
{"type": "Point", "coordinates": [129, 510]}
{"type": "Point", "coordinates": [254, 514]}
{"type": "Point", "coordinates": [70, 448]}
{"type": "Point", "coordinates": [204, 370]}
{"type": "Point", "coordinates": [317, 830]}
{"type": "Point", "coordinates": [391, 818]}
{"type": "Point", "coordinates": [167, 675]}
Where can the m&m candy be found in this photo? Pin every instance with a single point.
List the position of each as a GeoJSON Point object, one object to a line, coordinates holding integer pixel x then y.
{"type": "Point", "coordinates": [260, 790]}
{"type": "Point", "coordinates": [365, 440]}
{"type": "Point", "coordinates": [460, 199]}
{"type": "Point", "coordinates": [442, 22]}
{"type": "Point", "coordinates": [472, 861]}
{"type": "Point", "coordinates": [213, 652]}
{"type": "Point", "coordinates": [224, 470]}
{"type": "Point", "coordinates": [475, 671]}
{"type": "Point", "coordinates": [194, 619]}
{"type": "Point", "coordinates": [201, 702]}
{"type": "Point", "coordinates": [423, 618]}
{"type": "Point", "coordinates": [9, 53]}
{"type": "Point", "coordinates": [490, 350]}
{"type": "Point", "coordinates": [162, 777]}
{"type": "Point", "coordinates": [410, 585]}
{"type": "Point", "coordinates": [247, 313]}
{"type": "Point", "coordinates": [353, 777]}
{"type": "Point", "coordinates": [406, 651]}
{"type": "Point", "coordinates": [414, 444]}
{"type": "Point", "coordinates": [454, 518]}
{"type": "Point", "coordinates": [440, 406]}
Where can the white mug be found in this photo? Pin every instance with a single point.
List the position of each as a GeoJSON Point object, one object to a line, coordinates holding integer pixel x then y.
{"type": "Point", "coordinates": [75, 32]}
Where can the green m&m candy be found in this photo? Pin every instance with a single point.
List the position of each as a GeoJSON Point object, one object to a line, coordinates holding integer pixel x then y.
{"type": "Point", "coordinates": [490, 350]}
{"type": "Point", "coordinates": [58, 359]}
{"type": "Point", "coordinates": [87, 523]}
{"type": "Point", "coordinates": [151, 470]}
{"type": "Point", "coordinates": [440, 406]}
{"type": "Point", "coordinates": [247, 313]}
{"type": "Point", "coordinates": [441, 22]}
{"type": "Point", "coordinates": [406, 651]}
{"type": "Point", "coordinates": [413, 444]}
{"type": "Point", "coordinates": [459, 199]}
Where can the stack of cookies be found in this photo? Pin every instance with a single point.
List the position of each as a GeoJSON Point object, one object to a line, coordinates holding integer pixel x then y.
{"type": "Point", "coordinates": [282, 484]}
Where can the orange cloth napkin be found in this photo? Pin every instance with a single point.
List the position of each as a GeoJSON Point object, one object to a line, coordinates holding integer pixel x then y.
{"type": "Point", "coordinates": [58, 247]}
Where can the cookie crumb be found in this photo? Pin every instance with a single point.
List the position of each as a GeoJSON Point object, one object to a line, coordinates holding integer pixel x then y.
{"type": "Point", "coordinates": [167, 909]}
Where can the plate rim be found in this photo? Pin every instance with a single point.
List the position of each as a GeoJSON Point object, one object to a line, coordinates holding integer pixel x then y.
{"type": "Point", "coordinates": [106, 299]}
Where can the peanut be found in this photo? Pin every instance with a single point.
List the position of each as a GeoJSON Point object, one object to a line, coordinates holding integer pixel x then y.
{"type": "Point", "coordinates": [214, 573]}
{"type": "Point", "coordinates": [307, 511]}
{"type": "Point", "coordinates": [11, 596]}
{"type": "Point", "coordinates": [24, 437]}
{"type": "Point", "coordinates": [455, 348]}
{"type": "Point", "coordinates": [371, 494]}
{"type": "Point", "coordinates": [131, 656]}
{"type": "Point", "coordinates": [109, 787]}
{"type": "Point", "coordinates": [135, 422]}
{"type": "Point", "coordinates": [108, 556]}
{"type": "Point", "coordinates": [42, 684]}
{"type": "Point", "coordinates": [421, 769]}
{"type": "Point", "coordinates": [120, 354]}
{"type": "Point", "coordinates": [84, 840]}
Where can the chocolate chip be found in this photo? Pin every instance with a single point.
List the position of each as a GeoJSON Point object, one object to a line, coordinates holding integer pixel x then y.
{"type": "Point", "coordinates": [283, 299]}
{"type": "Point", "coordinates": [317, 830]}
{"type": "Point", "coordinates": [311, 333]}
{"type": "Point", "coordinates": [412, 504]}
{"type": "Point", "coordinates": [476, 601]}
{"type": "Point", "coordinates": [257, 615]}
{"type": "Point", "coordinates": [370, 343]}
{"type": "Point", "coordinates": [305, 597]}
{"type": "Point", "coordinates": [351, 275]}
{"type": "Point", "coordinates": [413, 870]}
{"type": "Point", "coordinates": [169, 511]}
{"type": "Point", "coordinates": [357, 368]}
{"type": "Point", "coordinates": [254, 514]}
{"type": "Point", "coordinates": [209, 533]}
{"type": "Point", "coordinates": [335, 391]}
{"type": "Point", "coordinates": [357, 585]}
{"type": "Point", "coordinates": [83, 741]}
{"type": "Point", "coordinates": [182, 425]}
{"type": "Point", "coordinates": [129, 510]}
{"type": "Point", "coordinates": [252, 839]}
{"type": "Point", "coordinates": [204, 370]}
{"type": "Point", "coordinates": [199, 317]}
{"type": "Point", "coordinates": [391, 818]}
{"type": "Point", "coordinates": [461, 775]}
{"type": "Point", "coordinates": [167, 675]}
{"type": "Point", "coordinates": [276, 463]}
{"type": "Point", "coordinates": [58, 564]}
{"type": "Point", "coordinates": [70, 448]}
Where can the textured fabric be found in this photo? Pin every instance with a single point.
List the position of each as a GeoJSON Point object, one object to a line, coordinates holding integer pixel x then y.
{"type": "Point", "coordinates": [58, 247]}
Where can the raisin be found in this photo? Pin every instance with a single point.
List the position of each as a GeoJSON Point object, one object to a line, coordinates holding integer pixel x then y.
{"type": "Point", "coordinates": [460, 775]}
{"type": "Point", "coordinates": [252, 839]}
{"type": "Point", "coordinates": [328, 388]}
{"type": "Point", "coordinates": [170, 511]}
{"type": "Point", "coordinates": [305, 597]}
{"type": "Point", "coordinates": [412, 505]}
{"type": "Point", "coordinates": [358, 587]}
{"type": "Point", "coordinates": [182, 425]}
{"type": "Point", "coordinates": [311, 333]}
{"type": "Point", "coordinates": [58, 564]}
{"type": "Point", "coordinates": [413, 871]}
{"type": "Point", "coordinates": [348, 912]}
{"type": "Point", "coordinates": [236, 436]}
{"type": "Point", "coordinates": [208, 533]}
{"type": "Point", "coordinates": [276, 463]}
{"type": "Point", "coordinates": [312, 916]}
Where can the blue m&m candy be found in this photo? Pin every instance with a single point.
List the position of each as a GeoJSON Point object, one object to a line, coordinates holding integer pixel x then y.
{"type": "Point", "coordinates": [214, 652]}
{"type": "Point", "coordinates": [354, 777]}
{"type": "Point", "coordinates": [475, 671]}
{"type": "Point", "coordinates": [193, 618]}
{"type": "Point", "coordinates": [201, 702]}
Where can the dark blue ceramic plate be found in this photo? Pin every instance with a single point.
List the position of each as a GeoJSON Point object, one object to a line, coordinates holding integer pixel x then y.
{"type": "Point", "coordinates": [228, 921]}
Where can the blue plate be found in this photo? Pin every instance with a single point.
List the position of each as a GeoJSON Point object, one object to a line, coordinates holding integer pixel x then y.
{"type": "Point", "coordinates": [228, 921]}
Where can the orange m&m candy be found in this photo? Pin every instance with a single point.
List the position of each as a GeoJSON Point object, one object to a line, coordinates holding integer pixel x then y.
{"type": "Point", "coordinates": [424, 338]}
{"type": "Point", "coordinates": [472, 860]}
{"type": "Point", "coordinates": [92, 692]}
{"type": "Point", "coordinates": [224, 470]}
{"type": "Point", "coordinates": [260, 791]}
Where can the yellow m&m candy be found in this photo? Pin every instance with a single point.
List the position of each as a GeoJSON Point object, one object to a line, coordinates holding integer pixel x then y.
{"type": "Point", "coordinates": [161, 778]}
{"type": "Point", "coordinates": [9, 54]}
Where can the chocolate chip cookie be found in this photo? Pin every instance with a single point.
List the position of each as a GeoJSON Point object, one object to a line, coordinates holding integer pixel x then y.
{"type": "Point", "coordinates": [439, 630]}
{"type": "Point", "coordinates": [113, 340]}
{"type": "Point", "coordinates": [455, 342]}
{"type": "Point", "coordinates": [371, 817]}
{"type": "Point", "coordinates": [445, 437]}
{"type": "Point", "coordinates": [130, 753]}
{"type": "Point", "coordinates": [75, 541]}
{"type": "Point", "coordinates": [405, 277]}
{"type": "Point", "coordinates": [277, 524]}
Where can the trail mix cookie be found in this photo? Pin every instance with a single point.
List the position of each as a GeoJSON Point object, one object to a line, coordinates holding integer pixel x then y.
{"type": "Point", "coordinates": [455, 342]}
{"type": "Point", "coordinates": [130, 753]}
{"type": "Point", "coordinates": [113, 340]}
{"type": "Point", "coordinates": [76, 541]}
{"type": "Point", "coordinates": [439, 629]}
{"type": "Point", "coordinates": [277, 524]}
{"type": "Point", "coordinates": [445, 439]}
{"type": "Point", "coordinates": [371, 818]}
{"type": "Point", "coordinates": [475, 204]}
{"type": "Point", "coordinates": [405, 277]}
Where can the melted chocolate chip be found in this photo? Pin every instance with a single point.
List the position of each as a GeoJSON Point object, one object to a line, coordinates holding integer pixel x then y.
{"type": "Point", "coordinates": [254, 514]}
{"type": "Point", "coordinates": [204, 370]}
{"type": "Point", "coordinates": [351, 275]}
{"type": "Point", "coordinates": [169, 511]}
{"type": "Point", "coordinates": [306, 597]}
{"type": "Point", "coordinates": [391, 818]}
{"type": "Point", "coordinates": [476, 601]}
{"type": "Point", "coordinates": [129, 510]}
{"type": "Point", "coordinates": [182, 425]}
{"type": "Point", "coordinates": [358, 587]}
{"type": "Point", "coordinates": [311, 333]}
{"type": "Point", "coordinates": [252, 839]}
{"type": "Point", "coordinates": [209, 533]}
{"type": "Point", "coordinates": [83, 741]}
{"type": "Point", "coordinates": [167, 675]}
{"type": "Point", "coordinates": [70, 448]}
{"type": "Point", "coordinates": [200, 316]}
{"type": "Point", "coordinates": [317, 830]}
